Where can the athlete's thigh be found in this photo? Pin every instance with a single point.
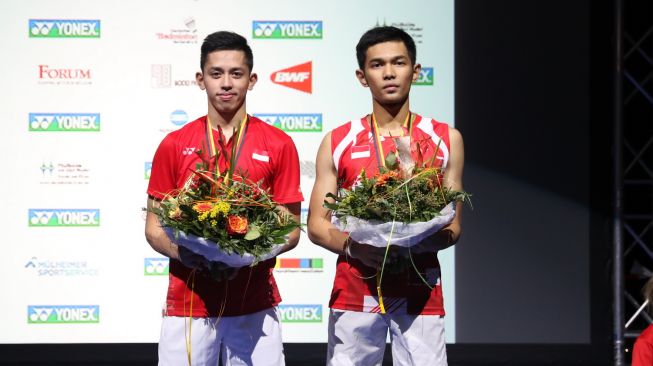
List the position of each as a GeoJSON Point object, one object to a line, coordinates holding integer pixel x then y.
{"type": "Point", "coordinates": [356, 338]}
{"type": "Point", "coordinates": [418, 340]}
{"type": "Point", "coordinates": [253, 339]}
{"type": "Point", "coordinates": [183, 338]}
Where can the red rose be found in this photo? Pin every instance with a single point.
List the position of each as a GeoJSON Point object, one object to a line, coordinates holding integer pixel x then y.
{"type": "Point", "coordinates": [236, 225]}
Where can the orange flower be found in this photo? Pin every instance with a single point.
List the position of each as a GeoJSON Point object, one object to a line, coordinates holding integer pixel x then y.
{"type": "Point", "coordinates": [385, 177]}
{"type": "Point", "coordinates": [202, 207]}
{"type": "Point", "coordinates": [236, 225]}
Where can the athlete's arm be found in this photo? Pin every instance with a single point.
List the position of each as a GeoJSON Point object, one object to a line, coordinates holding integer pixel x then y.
{"type": "Point", "coordinates": [453, 179]}
{"type": "Point", "coordinates": [159, 241]}
{"type": "Point", "coordinates": [320, 229]}
{"type": "Point", "coordinates": [294, 210]}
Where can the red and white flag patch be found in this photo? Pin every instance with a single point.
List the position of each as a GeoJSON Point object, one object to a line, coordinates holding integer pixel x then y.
{"type": "Point", "coordinates": [261, 155]}
{"type": "Point", "coordinates": [358, 152]}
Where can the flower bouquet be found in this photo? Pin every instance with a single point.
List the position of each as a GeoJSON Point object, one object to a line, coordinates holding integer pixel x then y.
{"type": "Point", "coordinates": [401, 205]}
{"type": "Point", "coordinates": [223, 216]}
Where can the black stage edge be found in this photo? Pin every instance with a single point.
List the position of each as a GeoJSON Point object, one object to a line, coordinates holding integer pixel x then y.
{"type": "Point", "coordinates": [308, 354]}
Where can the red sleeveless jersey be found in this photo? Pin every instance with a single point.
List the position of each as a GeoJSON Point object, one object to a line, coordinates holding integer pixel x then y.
{"type": "Point", "coordinates": [268, 155]}
{"type": "Point", "coordinates": [354, 287]}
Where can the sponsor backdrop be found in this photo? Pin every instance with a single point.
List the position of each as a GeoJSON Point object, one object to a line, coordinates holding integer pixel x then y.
{"type": "Point", "coordinates": [91, 88]}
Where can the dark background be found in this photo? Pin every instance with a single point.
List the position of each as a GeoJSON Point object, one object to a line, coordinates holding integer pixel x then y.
{"type": "Point", "coordinates": [534, 105]}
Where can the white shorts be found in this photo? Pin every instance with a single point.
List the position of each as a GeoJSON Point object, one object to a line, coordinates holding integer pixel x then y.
{"type": "Point", "coordinates": [358, 339]}
{"type": "Point", "coordinates": [252, 339]}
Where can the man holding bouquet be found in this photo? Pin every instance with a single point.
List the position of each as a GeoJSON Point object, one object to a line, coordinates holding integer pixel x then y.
{"type": "Point", "coordinates": [234, 318]}
{"type": "Point", "coordinates": [411, 304]}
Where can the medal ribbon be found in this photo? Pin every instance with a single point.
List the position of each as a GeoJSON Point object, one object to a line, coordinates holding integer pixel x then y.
{"type": "Point", "coordinates": [239, 138]}
{"type": "Point", "coordinates": [378, 146]}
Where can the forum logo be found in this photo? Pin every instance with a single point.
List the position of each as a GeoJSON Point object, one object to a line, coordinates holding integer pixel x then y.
{"type": "Point", "coordinates": [425, 77]}
{"type": "Point", "coordinates": [63, 217]}
{"type": "Point", "coordinates": [64, 122]}
{"type": "Point", "coordinates": [300, 313]}
{"type": "Point", "coordinates": [294, 122]}
{"type": "Point", "coordinates": [63, 314]}
{"type": "Point", "coordinates": [274, 29]}
{"type": "Point", "coordinates": [64, 28]}
{"type": "Point", "coordinates": [156, 266]}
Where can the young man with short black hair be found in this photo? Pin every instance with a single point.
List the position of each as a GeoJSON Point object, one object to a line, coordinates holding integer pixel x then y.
{"type": "Point", "coordinates": [414, 309]}
{"type": "Point", "coordinates": [234, 319]}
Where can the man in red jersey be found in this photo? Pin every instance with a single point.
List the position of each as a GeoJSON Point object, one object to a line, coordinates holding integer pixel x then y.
{"type": "Point", "coordinates": [413, 310]}
{"type": "Point", "coordinates": [234, 319]}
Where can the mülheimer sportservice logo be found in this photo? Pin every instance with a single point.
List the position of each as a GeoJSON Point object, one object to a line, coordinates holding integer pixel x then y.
{"type": "Point", "coordinates": [63, 217]}
{"type": "Point", "coordinates": [64, 122]}
{"type": "Point", "coordinates": [300, 313]}
{"type": "Point", "coordinates": [63, 314]}
{"type": "Point", "coordinates": [277, 29]}
{"type": "Point", "coordinates": [64, 28]}
{"type": "Point", "coordinates": [425, 77]}
{"type": "Point", "coordinates": [293, 122]}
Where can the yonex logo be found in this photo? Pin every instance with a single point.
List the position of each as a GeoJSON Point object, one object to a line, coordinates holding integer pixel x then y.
{"type": "Point", "coordinates": [57, 314]}
{"type": "Point", "coordinates": [274, 29]}
{"type": "Point", "coordinates": [64, 122]}
{"type": "Point", "coordinates": [156, 266]}
{"type": "Point", "coordinates": [188, 150]}
{"type": "Point", "coordinates": [300, 313]}
{"type": "Point", "coordinates": [294, 122]}
{"type": "Point", "coordinates": [64, 28]}
{"type": "Point", "coordinates": [425, 76]}
{"type": "Point", "coordinates": [297, 77]}
{"type": "Point", "coordinates": [63, 217]}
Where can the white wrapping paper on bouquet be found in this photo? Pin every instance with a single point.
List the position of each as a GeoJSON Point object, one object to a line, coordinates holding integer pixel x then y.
{"type": "Point", "coordinates": [211, 251]}
{"type": "Point", "coordinates": [377, 233]}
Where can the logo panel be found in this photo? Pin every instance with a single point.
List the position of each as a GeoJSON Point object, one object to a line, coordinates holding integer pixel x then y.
{"type": "Point", "coordinates": [156, 266]}
{"type": "Point", "coordinates": [425, 77]}
{"type": "Point", "coordinates": [298, 77]}
{"type": "Point", "coordinates": [274, 29]}
{"type": "Point", "coordinates": [64, 122]}
{"type": "Point", "coordinates": [63, 314]}
{"type": "Point", "coordinates": [64, 28]}
{"type": "Point", "coordinates": [63, 217]}
{"type": "Point", "coordinates": [300, 313]}
{"type": "Point", "coordinates": [295, 122]}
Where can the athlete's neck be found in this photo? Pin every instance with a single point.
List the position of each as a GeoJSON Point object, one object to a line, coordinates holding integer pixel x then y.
{"type": "Point", "coordinates": [228, 122]}
{"type": "Point", "coordinates": [390, 117]}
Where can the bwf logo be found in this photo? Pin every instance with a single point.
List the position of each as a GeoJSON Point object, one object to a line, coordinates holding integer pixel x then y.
{"type": "Point", "coordinates": [299, 77]}
{"type": "Point", "coordinates": [64, 122]}
{"type": "Point", "coordinates": [274, 29]}
{"type": "Point", "coordinates": [64, 28]}
{"type": "Point", "coordinates": [58, 314]}
{"type": "Point", "coordinates": [63, 217]}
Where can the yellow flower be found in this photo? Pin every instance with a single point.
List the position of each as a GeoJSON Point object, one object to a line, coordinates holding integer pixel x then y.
{"type": "Point", "coordinates": [220, 207]}
{"type": "Point", "coordinates": [175, 213]}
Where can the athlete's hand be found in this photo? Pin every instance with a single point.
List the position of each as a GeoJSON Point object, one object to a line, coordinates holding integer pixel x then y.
{"type": "Point", "coordinates": [221, 272]}
{"type": "Point", "coordinates": [369, 255]}
{"type": "Point", "coordinates": [190, 259]}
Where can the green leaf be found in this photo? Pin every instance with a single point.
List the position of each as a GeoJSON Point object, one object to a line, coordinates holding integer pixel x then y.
{"type": "Point", "coordinates": [253, 233]}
